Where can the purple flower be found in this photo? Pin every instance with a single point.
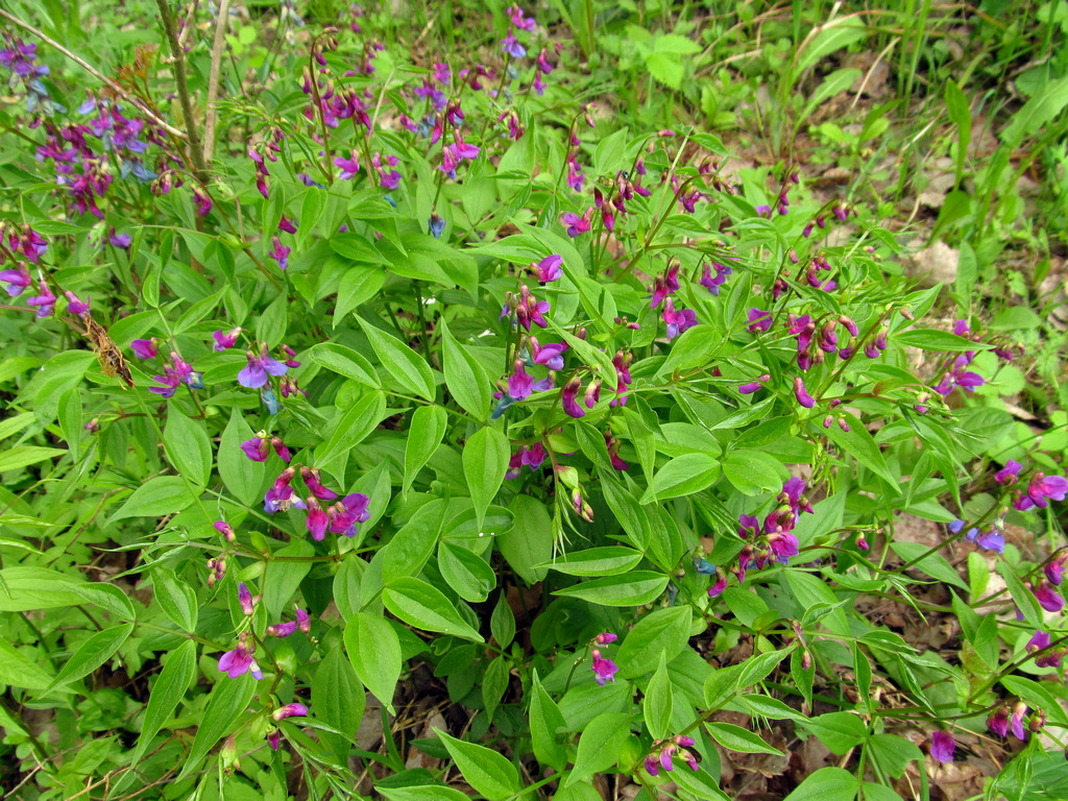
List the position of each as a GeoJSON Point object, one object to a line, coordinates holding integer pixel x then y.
{"type": "Point", "coordinates": [713, 282]}
{"type": "Point", "coordinates": [998, 723]}
{"type": "Point", "coordinates": [759, 320]}
{"type": "Point", "coordinates": [548, 269]}
{"type": "Point", "coordinates": [801, 393]}
{"type": "Point", "coordinates": [530, 310]}
{"type": "Point", "coordinates": [604, 669]}
{"type": "Point", "coordinates": [121, 241]}
{"type": "Point", "coordinates": [992, 540]}
{"type": "Point", "coordinates": [1042, 487]}
{"type": "Point", "coordinates": [520, 383]}
{"type": "Point", "coordinates": [568, 395]}
{"type": "Point", "coordinates": [312, 481]}
{"type": "Point", "coordinates": [287, 225]}
{"type": "Point", "coordinates": [575, 224]}
{"type": "Point", "coordinates": [281, 496]}
{"type": "Point", "coordinates": [239, 661]}
{"type": "Point", "coordinates": [257, 449]}
{"type": "Point", "coordinates": [664, 285]}
{"type": "Point", "coordinates": [303, 621]}
{"type": "Point", "coordinates": [244, 597]}
{"type": "Point", "coordinates": [783, 544]}
{"type": "Point", "coordinates": [1047, 597]}
{"type": "Point", "coordinates": [225, 529]}
{"type": "Point", "coordinates": [203, 201]}
{"type": "Point", "coordinates": [677, 321]}
{"type": "Point", "coordinates": [351, 510]}
{"type": "Point", "coordinates": [512, 47]}
{"type": "Point", "coordinates": [45, 302]}
{"type": "Point", "coordinates": [318, 520]}
{"type": "Point", "coordinates": [349, 167]}
{"type": "Point", "coordinates": [1009, 473]}
{"type": "Point", "coordinates": [1038, 641]}
{"type": "Point", "coordinates": [551, 354]}
{"type": "Point", "coordinates": [289, 711]}
{"type": "Point", "coordinates": [942, 746]}
{"type": "Point", "coordinates": [1054, 568]}
{"type": "Point", "coordinates": [282, 629]}
{"type": "Point", "coordinates": [16, 280]}
{"type": "Point", "coordinates": [144, 348]}
{"type": "Point", "coordinates": [1016, 721]}
{"type": "Point", "coordinates": [224, 341]}
{"type": "Point", "coordinates": [437, 225]}
{"type": "Point", "coordinates": [280, 253]}
{"type": "Point", "coordinates": [255, 374]}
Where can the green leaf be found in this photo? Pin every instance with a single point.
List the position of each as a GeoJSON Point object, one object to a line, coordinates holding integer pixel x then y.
{"type": "Point", "coordinates": [93, 653]}
{"type": "Point", "coordinates": [358, 284]}
{"type": "Point", "coordinates": [529, 542]}
{"type": "Point", "coordinates": [657, 704]}
{"type": "Point", "coordinates": [832, 36]}
{"type": "Point", "coordinates": [424, 436]}
{"type": "Point", "coordinates": [188, 447]}
{"type": "Point", "coordinates": [375, 652]}
{"type": "Point", "coordinates": [465, 378]}
{"type": "Point", "coordinates": [934, 339]}
{"type": "Point", "coordinates": [106, 596]}
{"type": "Point", "coordinates": [159, 496]}
{"type": "Point", "coordinates": [345, 362]}
{"type": "Point", "coordinates": [634, 589]}
{"type": "Point", "coordinates": [226, 706]}
{"type": "Point", "coordinates": [545, 721]}
{"type": "Point", "coordinates": [354, 426]}
{"type": "Point", "coordinates": [1036, 112]}
{"type": "Point", "coordinates": [892, 753]}
{"type": "Point", "coordinates": [681, 476]}
{"type": "Point", "coordinates": [934, 565]}
{"type": "Point", "coordinates": [487, 771]}
{"type": "Point", "coordinates": [752, 472]}
{"type": "Point", "coordinates": [736, 738]}
{"type": "Point", "coordinates": [283, 574]}
{"type": "Point", "coordinates": [599, 745]}
{"type": "Point", "coordinates": [485, 459]}
{"type": "Point", "coordinates": [19, 671]}
{"type": "Point", "coordinates": [167, 691]}
{"type": "Point", "coordinates": [338, 700]}
{"type": "Point", "coordinates": [494, 683]}
{"type": "Point", "coordinates": [663, 632]}
{"type": "Point", "coordinates": [502, 622]}
{"type": "Point", "coordinates": [469, 575]}
{"type": "Point", "coordinates": [410, 548]}
{"type": "Point", "coordinates": [24, 455]}
{"type": "Point", "coordinates": [405, 365]}
{"type": "Point", "coordinates": [424, 792]}
{"type": "Point", "coordinates": [826, 784]}
{"type": "Point", "coordinates": [694, 348]}
{"type": "Point", "coordinates": [242, 476]}
{"type": "Point", "coordinates": [665, 68]}
{"type": "Point", "coordinates": [839, 731]}
{"type": "Point", "coordinates": [610, 560]}
{"type": "Point", "coordinates": [859, 444]}
{"type": "Point", "coordinates": [426, 607]}
{"type": "Point", "coordinates": [757, 668]}
{"type": "Point", "coordinates": [176, 598]}
{"type": "Point", "coordinates": [23, 587]}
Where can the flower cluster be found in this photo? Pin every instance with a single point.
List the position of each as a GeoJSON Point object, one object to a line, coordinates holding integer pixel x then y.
{"type": "Point", "coordinates": [664, 286]}
{"type": "Point", "coordinates": [342, 517]}
{"type": "Point", "coordinates": [770, 541]}
{"type": "Point", "coordinates": [604, 669]}
{"type": "Point", "coordinates": [664, 752]}
{"type": "Point", "coordinates": [1005, 720]}
{"type": "Point", "coordinates": [991, 540]}
{"type": "Point", "coordinates": [1051, 657]}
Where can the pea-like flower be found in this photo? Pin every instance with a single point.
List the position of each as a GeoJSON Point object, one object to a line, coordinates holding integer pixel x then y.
{"type": "Point", "coordinates": [942, 746]}
{"type": "Point", "coordinates": [239, 661]}
{"type": "Point", "coordinates": [255, 374]}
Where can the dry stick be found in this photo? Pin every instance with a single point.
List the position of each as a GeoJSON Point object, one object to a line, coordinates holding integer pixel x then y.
{"type": "Point", "coordinates": [196, 151]}
{"type": "Point", "coordinates": [213, 79]}
{"type": "Point", "coordinates": [148, 112]}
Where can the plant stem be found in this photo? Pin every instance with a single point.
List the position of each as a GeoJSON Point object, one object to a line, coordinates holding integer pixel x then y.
{"type": "Point", "coordinates": [196, 153]}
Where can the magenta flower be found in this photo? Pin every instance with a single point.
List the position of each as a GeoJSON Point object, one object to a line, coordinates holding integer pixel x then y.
{"type": "Point", "coordinates": [1054, 568]}
{"type": "Point", "coordinates": [17, 280]}
{"type": "Point", "coordinates": [998, 723]}
{"type": "Point", "coordinates": [575, 224]}
{"type": "Point", "coordinates": [713, 282]}
{"type": "Point", "coordinates": [530, 310]}
{"type": "Point", "coordinates": [318, 520]}
{"type": "Point", "coordinates": [1016, 721]}
{"type": "Point", "coordinates": [287, 225]}
{"type": "Point", "coordinates": [801, 393]}
{"type": "Point", "coordinates": [225, 529]}
{"type": "Point", "coordinates": [677, 321]}
{"type": "Point", "coordinates": [239, 661]}
{"type": "Point", "coordinates": [664, 285]}
{"type": "Point", "coordinates": [783, 544]}
{"type": "Point", "coordinates": [568, 395]}
{"type": "Point", "coordinates": [289, 711]}
{"type": "Point", "coordinates": [551, 354]}
{"type": "Point", "coordinates": [548, 269]}
{"type": "Point", "coordinates": [144, 348]}
{"type": "Point", "coordinates": [512, 47]}
{"type": "Point", "coordinates": [303, 621]}
{"type": "Point", "coordinates": [1042, 487]}
{"type": "Point", "coordinates": [350, 167]}
{"type": "Point", "coordinates": [1047, 597]}
{"type": "Point", "coordinates": [280, 253]}
{"type": "Point", "coordinates": [255, 374]}
{"type": "Point", "coordinates": [281, 496]}
{"type": "Point", "coordinates": [224, 341]}
{"type": "Point", "coordinates": [520, 383]}
{"type": "Point", "coordinates": [45, 302]}
{"type": "Point", "coordinates": [1009, 473]}
{"type": "Point", "coordinates": [350, 511]}
{"type": "Point", "coordinates": [942, 746]}
{"type": "Point", "coordinates": [312, 481]}
{"type": "Point", "coordinates": [1038, 641]}
{"type": "Point", "coordinates": [604, 669]}
{"type": "Point", "coordinates": [244, 597]}
{"type": "Point", "coordinates": [759, 320]}
{"type": "Point", "coordinates": [257, 449]}
{"type": "Point", "coordinates": [282, 629]}
{"type": "Point", "coordinates": [605, 638]}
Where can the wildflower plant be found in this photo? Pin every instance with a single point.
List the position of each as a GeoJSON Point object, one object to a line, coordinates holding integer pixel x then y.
{"type": "Point", "coordinates": [421, 386]}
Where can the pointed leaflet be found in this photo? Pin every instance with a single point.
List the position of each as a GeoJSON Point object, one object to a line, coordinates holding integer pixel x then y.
{"type": "Point", "coordinates": [664, 631]}
{"type": "Point", "coordinates": [404, 364]}
{"type": "Point", "coordinates": [167, 691]}
{"type": "Point", "coordinates": [657, 704]}
{"type": "Point", "coordinates": [488, 772]}
{"type": "Point", "coordinates": [226, 706]}
{"type": "Point", "coordinates": [545, 721]}
{"type": "Point", "coordinates": [599, 744]}
{"type": "Point", "coordinates": [426, 607]}
{"type": "Point", "coordinates": [338, 701]}
{"type": "Point", "coordinates": [93, 653]}
{"type": "Point", "coordinates": [375, 652]}
{"type": "Point", "coordinates": [242, 476]}
{"type": "Point", "coordinates": [188, 447]}
{"type": "Point", "coordinates": [485, 459]}
{"type": "Point", "coordinates": [424, 437]}
{"type": "Point", "coordinates": [465, 378]}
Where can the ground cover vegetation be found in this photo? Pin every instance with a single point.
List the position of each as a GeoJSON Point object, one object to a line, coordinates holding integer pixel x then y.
{"type": "Point", "coordinates": [571, 400]}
